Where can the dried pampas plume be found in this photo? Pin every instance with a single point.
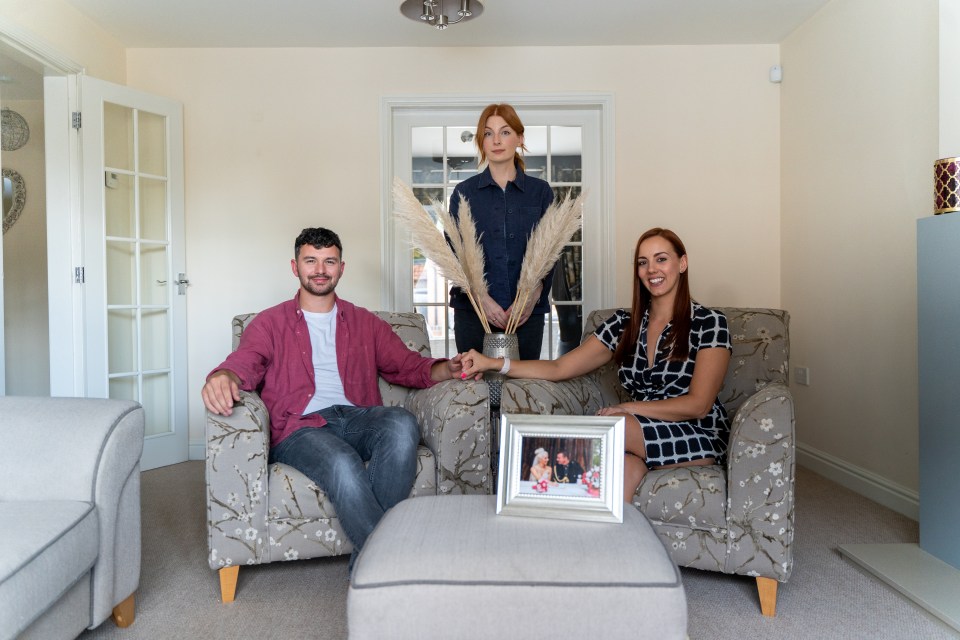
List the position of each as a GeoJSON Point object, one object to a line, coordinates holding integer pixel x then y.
{"type": "Point", "coordinates": [554, 230]}
{"type": "Point", "coordinates": [471, 254]}
{"type": "Point", "coordinates": [425, 235]}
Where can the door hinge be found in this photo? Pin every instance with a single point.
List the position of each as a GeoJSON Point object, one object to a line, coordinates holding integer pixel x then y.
{"type": "Point", "coordinates": [76, 119]}
{"type": "Point", "coordinates": [78, 276]}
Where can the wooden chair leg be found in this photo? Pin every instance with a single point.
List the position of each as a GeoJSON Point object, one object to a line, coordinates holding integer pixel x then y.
{"type": "Point", "coordinates": [124, 613]}
{"type": "Point", "coordinates": [228, 582]}
{"type": "Point", "coordinates": [767, 588]}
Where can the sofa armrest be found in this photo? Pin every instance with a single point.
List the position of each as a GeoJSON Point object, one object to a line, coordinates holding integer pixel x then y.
{"type": "Point", "coordinates": [64, 442]}
{"type": "Point", "coordinates": [575, 397]}
{"type": "Point", "coordinates": [83, 449]}
{"type": "Point", "coordinates": [454, 418]}
{"type": "Point", "coordinates": [236, 473]}
{"type": "Point", "coordinates": [760, 481]}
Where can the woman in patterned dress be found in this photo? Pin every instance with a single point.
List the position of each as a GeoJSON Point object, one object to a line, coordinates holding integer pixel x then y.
{"type": "Point", "coordinates": [672, 355]}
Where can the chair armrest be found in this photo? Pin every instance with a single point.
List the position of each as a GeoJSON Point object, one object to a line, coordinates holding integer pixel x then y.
{"type": "Point", "coordinates": [454, 418]}
{"type": "Point", "coordinates": [578, 396]}
{"type": "Point", "coordinates": [237, 482]}
{"type": "Point", "coordinates": [760, 481]}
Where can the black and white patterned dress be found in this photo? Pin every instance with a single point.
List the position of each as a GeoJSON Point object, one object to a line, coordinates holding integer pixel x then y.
{"type": "Point", "coordinates": [672, 442]}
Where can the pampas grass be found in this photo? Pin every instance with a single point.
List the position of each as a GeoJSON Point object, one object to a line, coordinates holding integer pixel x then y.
{"type": "Point", "coordinates": [554, 230]}
{"type": "Point", "coordinates": [449, 258]}
{"type": "Point", "coordinates": [471, 256]}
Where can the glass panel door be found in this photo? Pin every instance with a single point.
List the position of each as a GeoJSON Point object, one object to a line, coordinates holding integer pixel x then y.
{"type": "Point", "coordinates": [134, 289]}
{"type": "Point", "coordinates": [138, 261]}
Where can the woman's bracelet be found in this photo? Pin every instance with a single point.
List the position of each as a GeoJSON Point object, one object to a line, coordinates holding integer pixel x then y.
{"type": "Point", "coordinates": [506, 366]}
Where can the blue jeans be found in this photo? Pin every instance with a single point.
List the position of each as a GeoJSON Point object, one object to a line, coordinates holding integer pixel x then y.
{"type": "Point", "coordinates": [333, 457]}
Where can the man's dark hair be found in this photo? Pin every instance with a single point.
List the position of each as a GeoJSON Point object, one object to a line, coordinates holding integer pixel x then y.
{"type": "Point", "coordinates": [318, 238]}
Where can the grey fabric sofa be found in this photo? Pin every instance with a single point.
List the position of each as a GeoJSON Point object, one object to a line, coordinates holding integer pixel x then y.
{"type": "Point", "coordinates": [259, 512]}
{"type": "Point", "coordinates": [734, 518]}
{"type": "Point", "coordinates": [69, 514]}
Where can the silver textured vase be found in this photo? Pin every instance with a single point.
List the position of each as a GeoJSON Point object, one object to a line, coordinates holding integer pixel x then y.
{"type": "Point", "coordinates": [499, 345]}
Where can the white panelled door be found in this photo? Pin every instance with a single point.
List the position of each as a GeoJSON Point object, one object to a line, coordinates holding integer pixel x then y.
{"type": "Point", "coordinates": [134, 272]}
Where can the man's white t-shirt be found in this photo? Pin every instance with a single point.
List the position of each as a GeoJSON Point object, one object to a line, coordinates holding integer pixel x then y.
{"type": "Point", "coordinates": [323, 340]}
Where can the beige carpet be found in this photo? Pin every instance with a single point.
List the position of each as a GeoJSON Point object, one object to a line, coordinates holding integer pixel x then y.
{"type": "Point", "coordinates": [826, 597]}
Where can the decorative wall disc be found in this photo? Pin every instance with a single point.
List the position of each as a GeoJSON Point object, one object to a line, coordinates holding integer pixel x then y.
{"type": "Point", "coordinates": [14, 129]}
{"type": "Point", "coordinates": [13, 200]}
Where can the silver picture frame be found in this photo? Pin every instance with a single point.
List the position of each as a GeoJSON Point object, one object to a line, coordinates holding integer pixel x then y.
{"type": "Point", "coordinates": [597, 495]}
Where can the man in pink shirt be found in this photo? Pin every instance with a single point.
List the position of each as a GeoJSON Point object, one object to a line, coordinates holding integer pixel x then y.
{"type": "Point", "coordinates": [315, 360]}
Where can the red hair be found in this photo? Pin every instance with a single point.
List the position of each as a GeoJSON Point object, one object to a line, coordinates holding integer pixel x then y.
{"type": "Point", "coordinates": [679, 337]}
{"type": "Point", "coordinates": [509, 114]}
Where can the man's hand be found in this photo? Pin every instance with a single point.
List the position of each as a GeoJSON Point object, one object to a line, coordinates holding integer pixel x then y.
{"type": "Point", "coordinates": [221, 390]}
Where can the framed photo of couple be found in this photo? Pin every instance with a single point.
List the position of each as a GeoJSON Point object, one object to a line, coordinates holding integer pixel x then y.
{"type": "Point", "coordinates": [568, 467]}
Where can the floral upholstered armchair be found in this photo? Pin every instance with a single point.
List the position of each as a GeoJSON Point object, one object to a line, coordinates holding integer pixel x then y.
{"type": "Point", "coordinates": [736, 517]}
{"type": "Point", "coordinates": [259, 512]}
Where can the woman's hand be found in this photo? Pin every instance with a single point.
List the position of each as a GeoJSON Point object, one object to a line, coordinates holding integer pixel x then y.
{"type": "Point", "coordinates": [615, 410]}
{"type": "Point", "coordinates": [494, 312]}
{"type": "Point", "coordinates": [475, 363]}
{"type": "Point", "coordinates": [528, 308]}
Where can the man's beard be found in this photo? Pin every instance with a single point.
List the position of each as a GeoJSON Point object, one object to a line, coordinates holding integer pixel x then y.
{"type": "Point", "coordinates": [319, 289]}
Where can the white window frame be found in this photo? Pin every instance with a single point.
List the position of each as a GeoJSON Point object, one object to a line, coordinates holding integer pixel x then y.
{"type": "Point", "coordinates": [396, 266]}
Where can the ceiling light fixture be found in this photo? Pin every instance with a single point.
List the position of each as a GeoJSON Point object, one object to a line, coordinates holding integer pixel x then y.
{"type": "Point", "coordinates": [431, 11]}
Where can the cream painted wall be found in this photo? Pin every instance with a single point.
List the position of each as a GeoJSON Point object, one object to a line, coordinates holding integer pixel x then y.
{"type": "Point", "coordinates": [279, 139]}
{"type": "Point", "coordinates": [70, 33]}
{"type": "Point", "coordinates": [859, 137]}
{"type": "Point", "coordinates": [27, 357]}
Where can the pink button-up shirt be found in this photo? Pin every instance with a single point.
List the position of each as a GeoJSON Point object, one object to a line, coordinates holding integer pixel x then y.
{"type": "Point", "coordinates": [275, 358]}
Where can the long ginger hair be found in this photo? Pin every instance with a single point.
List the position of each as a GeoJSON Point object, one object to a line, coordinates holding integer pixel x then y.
{"type": "Point", "coordinates": [678, 339]}
{"type": "Point", "coordinates": [509, 114]}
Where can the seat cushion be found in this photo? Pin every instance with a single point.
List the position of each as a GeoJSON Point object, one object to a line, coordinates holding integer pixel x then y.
{"type": "Point", "coordinates": [694, 497]}
{"type": "Point", "coordinates": [450, 567]}
{"type": "Point", "coordinates": [47, 546]}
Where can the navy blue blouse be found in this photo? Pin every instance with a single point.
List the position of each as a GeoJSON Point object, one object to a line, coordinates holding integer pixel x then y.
{"type": "Point", "coordinates": [505, 218]}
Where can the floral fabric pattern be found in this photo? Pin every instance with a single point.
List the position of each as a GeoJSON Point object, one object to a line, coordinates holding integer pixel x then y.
{"type": "Point", "coordinates": [734, 518]}
{"type": "Point", "coordinates": [259, 512]}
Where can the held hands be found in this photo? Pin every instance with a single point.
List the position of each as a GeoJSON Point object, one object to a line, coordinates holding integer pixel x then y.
{"type": "Point", "coordinates": [475, 363]}
{"type": "Point", "coordinates": [221, 390]}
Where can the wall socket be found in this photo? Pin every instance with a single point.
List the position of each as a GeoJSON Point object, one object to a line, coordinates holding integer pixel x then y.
{"type": "Point", "coordinates": [801, 375]}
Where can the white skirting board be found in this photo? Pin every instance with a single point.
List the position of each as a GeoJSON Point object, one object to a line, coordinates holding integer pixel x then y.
{"type": "Point", "coordinates": [866, 483]}
{"type": "Point", "coordinates": [926, 580]}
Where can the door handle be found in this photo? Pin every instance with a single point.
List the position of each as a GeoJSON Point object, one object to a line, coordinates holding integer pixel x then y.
{"type": "Point", "coordinates": [182, 284]}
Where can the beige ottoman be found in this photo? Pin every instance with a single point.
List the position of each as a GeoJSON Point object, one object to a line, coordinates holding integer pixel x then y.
{"type": "Point", "coordinates": [449, 567]}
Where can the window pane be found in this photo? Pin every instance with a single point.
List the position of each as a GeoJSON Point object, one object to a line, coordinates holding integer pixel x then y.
{"type": "Point", "coordinates": [461, 153]}
{"type": "Point", "coordinates": [153, 209]}
{"type": "Point", "coordinates": [156, 404]}
{"type": "Point", "coordinates": [427, 148]}
{"type": "Point", "coordinates": [119, 204]}
{"type": "Point", "coordinates": [118, 136]}
{"type": "Point", "coordinates": [156, 341]}
{"type": "Point", "coordinates": [152, 137]}
{"type": "Point", "coordinates": [535, 157]}
{"type": "Point", "coordinates": [565, 149]}
{"type": "Point", "coordinates": [155, 287]}
{"type": "Point", "coordinates": [121, 268]}
{"type": "Point", "coordinates": [122, 340]}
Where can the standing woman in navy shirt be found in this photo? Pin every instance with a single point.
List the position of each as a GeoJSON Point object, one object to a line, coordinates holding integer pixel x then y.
{"type": "Point", "coordinates": [506, 205]}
